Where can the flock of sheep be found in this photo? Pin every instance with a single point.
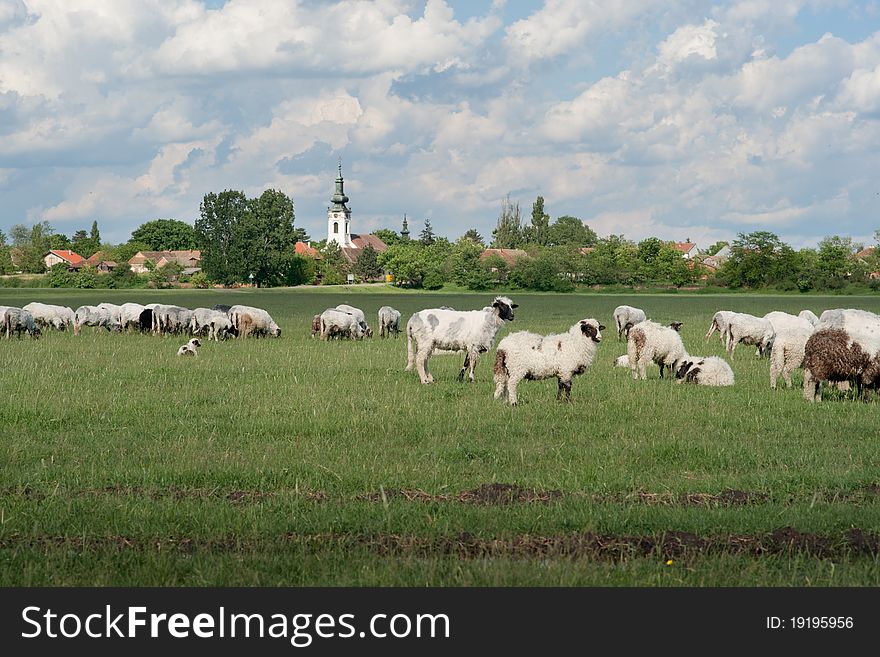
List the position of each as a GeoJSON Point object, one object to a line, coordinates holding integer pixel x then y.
{"type": "Point", "coordinates": [218, 323]}
{"type": "Point", "coordinates": [841, 347]}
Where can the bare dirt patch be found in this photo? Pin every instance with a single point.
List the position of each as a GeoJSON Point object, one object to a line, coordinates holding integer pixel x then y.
{"type": "Point", "coordinates": [484, 494]}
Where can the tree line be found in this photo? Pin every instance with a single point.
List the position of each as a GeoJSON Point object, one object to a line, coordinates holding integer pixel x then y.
{"type": "Point", "coordinates": [251, 240]}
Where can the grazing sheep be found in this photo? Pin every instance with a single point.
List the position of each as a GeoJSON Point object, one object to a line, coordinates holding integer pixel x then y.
{"type": "Point", "coordinates": [649, 341]}
{"type": "Point", "coordinates": [115, 313]}
{"type": "Point", "coordinates": [844, 347]}
{"type": "Point", "coordinates": [19, 320]}
{"type": "Point", "coordinates": [788, 353]}
{"type": "Point", "coordinates": [389, 321]}
{"type": "Point", "coordinates": [627, 316]}
{"type": "Point", "coordinates": [525, 355]}
{"type": "Point", "coordinates": [711, 371]}
{"type": "Point", "coordinates": [473, 331]}
{"type": "Point", "coordinates": [190, 348]}
{"type": "Point", "coordinates": [130, 315]}
{"type": "Point", "coordinates": [719, 323]}
{"type": "Point", "coordinates": [171, 319]}
{"type": "Point", "coordinates": [46, 315]}
{"type": "Point", "coordinates": [145, 320]}
{"type": "Point", "coordinates": [216, 322]}
{"type": "Point", "coordinates": [338, 324]}
{"type": "Point", "coordinates": [93, 316]}
{"type": "Point", "coordinates": [751, 330]}
{"type": "Point", "coordinates": [810, 316]}
{"type": "Point", "coordinates": [780, 320]}
{"type": "Point", "coordinates": [316, 325]}
{"type": "Point", "coordinates": [262, 323]}
{"type": "Point", "coordinates": [359, 315]}
{"type": "Point", "coordinates": [222, 307]}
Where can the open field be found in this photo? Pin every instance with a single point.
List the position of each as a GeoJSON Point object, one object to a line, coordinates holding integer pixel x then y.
{"type": "Point", "coordinates": [297, 462]}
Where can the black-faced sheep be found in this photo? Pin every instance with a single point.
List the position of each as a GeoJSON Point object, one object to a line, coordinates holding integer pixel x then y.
{"type": "Point", "coordinates": [190, 348]}
{"type": "Point", "coordinates": [705, 371]}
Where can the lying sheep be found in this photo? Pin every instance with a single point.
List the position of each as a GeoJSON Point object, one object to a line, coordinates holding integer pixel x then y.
{"type": "Point", "coordinates": [18, 321]}
{"type": "Point", "coordinates": [751, 330]}
{"type": "Point", "coordinates": [788, 353]}
{"type": "Point", "coordinates": [261, 323]}
{"type": "Point", "coordinates": [190, 348]}
{"type": "Point", "coordinates": [711, 371]}
{"type": "Point", "coordinates": [719, 323]}
{"type": "Point", "coordinates": [625, 317]}
{"type": "Point", "coordinates": [47, 315]}
{"type": "Point", "coordinates": [525, 355]}
{"type": "Point", "coordinates": [338, 324]}
{"type": "Point", "coordinates": [649, 341]}
{"type": "Point", "coordinates": [389, 321]}
{"type": "Point", "coordinates": [472, 331]}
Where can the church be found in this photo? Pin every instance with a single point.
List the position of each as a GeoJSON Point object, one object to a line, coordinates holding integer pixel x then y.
{"type": "Point", "coordinates": [339, 226]}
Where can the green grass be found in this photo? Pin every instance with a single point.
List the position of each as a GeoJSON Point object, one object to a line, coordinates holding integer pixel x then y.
{"type": "Point", "coordinates": [122, 464]}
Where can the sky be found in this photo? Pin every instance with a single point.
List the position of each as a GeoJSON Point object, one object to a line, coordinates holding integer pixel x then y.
{"type": "Point", "coordinates": [676, 119]}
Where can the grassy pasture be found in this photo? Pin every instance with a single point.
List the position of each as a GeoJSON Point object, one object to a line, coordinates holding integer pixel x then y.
{"type": "Point", "coordinates": [297, 462]}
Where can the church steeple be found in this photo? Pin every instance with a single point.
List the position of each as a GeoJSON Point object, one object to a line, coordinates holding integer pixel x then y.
{"type": "Point", "coordinates": [404, 231]}
{"type": "Point", "coordinates": [339, 198]}
{"type": "Point", "coordinates": [339, 215]}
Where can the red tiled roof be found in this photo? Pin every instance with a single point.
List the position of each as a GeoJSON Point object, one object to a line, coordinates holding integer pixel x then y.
{"type": "Point", "coordinates": [303, 249]}
{"type": "Point", "coordinates": [361, 241]}
{"type": "Point", "coordinates": [67, 255]}
{"type": "Point", "coordinates": [182, 257]}
{"type": "Point", "coordinates": [864, 253]}
{"type": "Point", "coordinates": [508, 255]}
{"type": "Point", "coordinates": [684, 247]}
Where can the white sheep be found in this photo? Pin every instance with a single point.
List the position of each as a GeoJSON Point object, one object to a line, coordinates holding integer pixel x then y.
{"type": "Point", "coordinates": [810, 316]}
{"type": "Point", "coordinates": [780, 320]}
{"type": "Point", "coordinates": [627, 315]}
{"type": "Point", "coordinates": [525, 355]}
{"type": "Point", "coordinates": [336, 323]}
{"type": "Point", "coordinates": [389, 321]}
{"type": "Point", "coordinates": [649, 341]}
{"type": "Point", "coordinates": [45, 315]}
{"type": "Point", "coordinates": [129, 315]}
{"type": "Point", "coordinates": [751, 330]}
{"type": "Point", "coordinates": [190, 348]}
{"type": "Point", "coordinates": [472, 331]}
{"type": "Point", "coordinates": [93, 316]}
{"type": "Point", "coordinates": [705, 371]}
{"type": "Point", "coordinates": [263, 324]}
{"type": "Point", "coordinates": [18, 320]}
{"type": "Point", "coordinates": [719, 323]}
{"type": "Point", "coordinates": [359, 315]}
{"type": "Point", "coordinates": [216, 322]}
{"type": "Point", "coordinates": [788, 352]}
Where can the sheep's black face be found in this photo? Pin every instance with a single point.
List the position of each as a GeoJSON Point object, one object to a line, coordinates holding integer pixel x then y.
{"type": "Point", "coordinates": [676, 326]}
{"type": "Point", "coordinates": [196, 343]}
{"type": "Point", "coordinates": [591, 331]}
{"type": "Point", "coordinates": [683, 370]}
{"type": "Point", "coordinates": [505, 311]}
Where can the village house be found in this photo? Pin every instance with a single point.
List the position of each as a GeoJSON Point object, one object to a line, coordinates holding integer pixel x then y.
{"type": "Point", "coordinates": [688, 249]}
{"type": "Point", "coordinates": [189, 260]}
{"type": "Point", "coordinates": [99, 262]}
{"type": "Point", "coordinates": [53, 257]}
{"type": "Point", "coordinates": [509, 256]}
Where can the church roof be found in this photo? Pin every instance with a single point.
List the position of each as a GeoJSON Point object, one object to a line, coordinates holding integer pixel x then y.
{"type": "Point", "coordinates": [360, 242]}
{"type": "Point", "coordinates": [339, 198]}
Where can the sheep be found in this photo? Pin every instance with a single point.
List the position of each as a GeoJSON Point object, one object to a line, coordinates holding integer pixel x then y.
{"type": "Point", "coordinates": [46, 315]}
{"type": "Point", "coordinates": [190, 348]}
{"type": "Point", "coordinates": [719, 323]}
{"type": "Point", "coordinates": [788, 353]}
{"type": "Point", "coordinates": [316, 325]}
{"type": "Point", "coordinates": [810, 316]}
{"type": "Point", "coordinates": [780, 320]}
{"type": "Point", "coordinates": [525, 355]}
{"type": "Point", "coordinates": [749, 329]}
{"type": "Point", "coordinates": [217, 323]}
{"type": "Point", "coordinates": [261, 321]}
{"type": "Point", "coordinates": [359, 315]}
{"type": "Point", "coordinates": [389, 321]}
{"type": "Point", "coordinates": [129, 316]}
{"type": "Point", "coordinates": [145, 320]}
{"type": "Point", "coordinates": [222, 307]}
{"type": "Point", "coordinates": [473, 331]}
{"type": "Point", "coordinates": [627, 315]}
{"type": "Point", "coordinates": [335, 323]}
{"type": "Point", "coordinates": [711, 371]}
{"type": "Point", "coordinates": [649, 341]}
{"type": "Point", "coordinates": [845, 346]}
{"type": "Point", "coordinates": [19, 320]}
{"type": "Point", "coordinates": [115, 313]}
{"type": "Point", "coordinates": [93, 316]}
{"type": "Point", "coordinates": [171, 319]}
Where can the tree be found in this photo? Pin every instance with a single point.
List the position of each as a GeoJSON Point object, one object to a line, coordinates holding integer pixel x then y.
{"type": "Point", "coordinates": [266, 233]}
{"type": "Point", "coordinates": [715, 248]}
{"type": "Point", "coordinates": [367, 264]}
{"type": "Point", "coordinates": [388, 236]}
{"type": "Point", "coordinates": [466, 267]}
{"type": "Point", "coordinates": [836, 260]}
{"type": "Point", "coordinates": [5, 255]}
{"type": "Point", "coordinates": [84, 244]}
{"type": "Point", "coordinates": [539, 231]}
{"type": "Point", "coordinates": [753, 260]}
{"type": "Point", "coordinates": [299, 270]}
{"type": "Point", "coordinates": [427, 237]}
{"type": "Point", "coordinates": [474, 237]}
{"type": "Point", "coordinates": [544, 273]}
{"type": "Point", "coordinates": [217, 230]}
{"type": "Point", "coordinates": [59, 241]}
{"type": "Point", "coordinates": [95, 235]}
{"type": "Point", "coordinates": [508, 233]}
{"type": "Point", "coordinates": [333, 266]}
{"type": "Point", "coordinates": [571, 231]}
{"type": "Point", "coordinates": [166, 235]}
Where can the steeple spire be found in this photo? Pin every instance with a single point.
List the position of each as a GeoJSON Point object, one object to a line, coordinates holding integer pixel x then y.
{"type": "Point", "coordinates": [404, 231]}
{"type": "Point", "coordinates": [339, 198]}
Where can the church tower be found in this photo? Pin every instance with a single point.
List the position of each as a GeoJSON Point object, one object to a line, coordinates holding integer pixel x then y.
{"type": "Point", "coordinates": [339, 216]}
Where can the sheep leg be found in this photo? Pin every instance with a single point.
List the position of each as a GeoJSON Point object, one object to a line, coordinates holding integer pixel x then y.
{"type": "Point", "coordinates": [774, 374]}
{"type": "Point", "coordinates": [410, 355]}
{"type": "Point", "coordinates": [472, 356]}
{"type": "Point", "coordinates": [563, 386]}
{"type": "Point", "coordinates": [786, 374]}
{"type": "Point", "coordinates": [661, 368]}
{"type": "Point", "coordinates": [812, 391]}
{"type": "Point", "coordinates": [512, 383]}
{"type": "Point", "coordinates": [422, 366]}
{"type": "Point", "coordinates": [465, 366]}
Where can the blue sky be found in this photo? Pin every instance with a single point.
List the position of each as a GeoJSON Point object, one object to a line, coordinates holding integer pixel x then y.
{"type": "Point", "coordinates": [676, 119]}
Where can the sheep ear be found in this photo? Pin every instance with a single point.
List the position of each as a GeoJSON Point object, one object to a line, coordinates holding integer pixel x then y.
{"type": "Point", "coordinates": [601, 327]}
{"type": "Point", "coordinates": [514, 305]}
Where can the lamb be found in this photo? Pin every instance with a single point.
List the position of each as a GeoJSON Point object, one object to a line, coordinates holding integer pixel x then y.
{"type": "Point", "coordinates": [810, 316]}
{"type": "Point", "coordinates": [525, 355]}
{"type": "Point", "coordinates": [389, 321]}
{"type": "Point", "coordinates": [719, 323]}
{"type": "Point", "coordinates": [627, 315]}
{"type": "Point", "coordinates": [46, 315]}
{"type": "Point", "coordinates": [93, 316]}
{"type": "Point", "coordinates": [190, 348]}
{"type": "Point", "coordinates": [711, 371]}
{"type": "Point", "coordinates": [335, 323]}
{"type": "Point", "coordinates": [359, 315]}
{"type": "Point", "coordinates": [19, 320]}
{"type": "Point", "coordinates": [749, 329]}
{"type": "Point", "coordinates": [217, 323]}
{"type": "Point", "coordinates": [788, 353]}
{"type": "Point", "coordinates": [845, 346]}
{"type": "Point", "coordinates": [473, 331]}
{"type": "Point", "coordinates": [262, 322]}
{"type": "Point", "coordinates": [649, 341]}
